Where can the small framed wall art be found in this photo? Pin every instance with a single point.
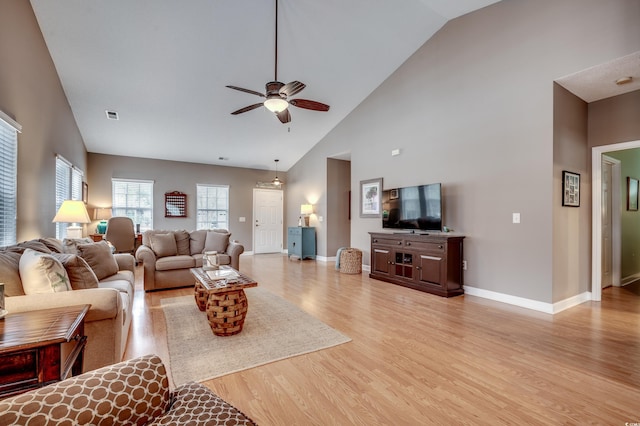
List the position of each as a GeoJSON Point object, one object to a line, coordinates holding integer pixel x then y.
{"type": "Point", "coordinates": [570, 189]}
{"type": "Point", "coordinates": [371, 198]}
{"type": "Point", "coordinates": [632, 194]}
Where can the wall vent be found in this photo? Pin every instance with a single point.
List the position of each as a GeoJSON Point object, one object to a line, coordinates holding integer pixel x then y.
{"type": "Point", "coordinates": [112, 115]}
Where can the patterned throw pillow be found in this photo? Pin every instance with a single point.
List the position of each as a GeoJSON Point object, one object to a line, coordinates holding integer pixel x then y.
{"type": "Point", "coordinates": [42, 273]}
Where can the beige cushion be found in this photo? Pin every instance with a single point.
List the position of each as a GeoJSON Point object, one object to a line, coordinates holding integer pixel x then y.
{"type": "Point", "coordinates": [163, 244]}
{"type": "Point", "coordinates": [100, 258]}
{"type": "Point", "coordinates": [175, 262]}
{"type": "Point", "coordinates": [53, 244]}
{"type": "Point", "coordinates": [216, 241]}
{"type": "Point", "coordinates": [42, 273]}
{"type": "Point", "coordinates": [183, 243]}
{"type": "Point", "coordinates": [10, 273]}
{"type": "Point", "coordinates": [196, 241]}
{"type": "Point", "coordinates": [80, 273]}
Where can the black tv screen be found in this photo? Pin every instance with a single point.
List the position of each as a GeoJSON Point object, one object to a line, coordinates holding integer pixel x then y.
{"type": "Point", "coordinates": [413, 207]}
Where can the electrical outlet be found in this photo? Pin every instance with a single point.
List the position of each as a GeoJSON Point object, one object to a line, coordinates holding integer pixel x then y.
{"type": "Point", "coordinates": [516, 218]}
{"type": "Point", "coordinates": [464, 265]}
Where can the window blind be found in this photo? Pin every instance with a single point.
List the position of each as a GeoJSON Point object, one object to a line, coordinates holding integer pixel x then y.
{"type": "Point", "coordinates": [68, 187]}
{"type": "Point", "coordinates": [134, 199]}
{"type": "Point", "coordinates": [8, 179]}
{"type": "Point", "coordinates": [212, 206]}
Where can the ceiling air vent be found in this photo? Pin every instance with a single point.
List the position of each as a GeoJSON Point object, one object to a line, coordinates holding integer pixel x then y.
{"type": "Point", "coordinates": [112, 115]}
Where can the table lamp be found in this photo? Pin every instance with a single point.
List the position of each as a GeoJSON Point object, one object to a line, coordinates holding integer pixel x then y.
{"type": "Point", "coordinates": [306, 210]}
{"type": "Point", "coordinates": [102, 214]}
{"type": "Point", "coordinates": [72, 211]}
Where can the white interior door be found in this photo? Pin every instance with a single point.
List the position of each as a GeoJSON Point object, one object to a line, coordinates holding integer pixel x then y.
{"type": "Point", "coordinates": [267, 221]}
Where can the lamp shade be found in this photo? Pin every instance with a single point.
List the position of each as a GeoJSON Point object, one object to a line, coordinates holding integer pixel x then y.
{"type": "Point", "coordinates": [72, 211]}
{"type": "Point", "coordinates": [306, 209]}
{"type": "Point", "coordinates": [102, 214]}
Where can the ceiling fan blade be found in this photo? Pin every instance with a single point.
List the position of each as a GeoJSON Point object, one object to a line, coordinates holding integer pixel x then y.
{"type": "Point", "coordinates": [307, 104]}
{"type": "Point", "coordinates": [247, 108]}
{"type": "Point", "coordinates": [292, 88]}
{"type": "Point", "coordinates": [253, 92]}
{"type": "Point", "coordinates": [284, 116]}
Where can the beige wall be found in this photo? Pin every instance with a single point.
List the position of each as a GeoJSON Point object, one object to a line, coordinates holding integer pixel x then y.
{"type": "Point", "coordinates": [31, 93]}
{"type": "Point", "coordinates": [571, 225]}
{"type": "Point", "coordinates": [179, 176]}
{"type": "Point", "coordinates": [338, 222]}
{"type": "Point", "coordinates": [473, 109]}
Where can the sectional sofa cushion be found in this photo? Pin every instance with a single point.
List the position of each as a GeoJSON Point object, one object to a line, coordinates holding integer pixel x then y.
{"type": "Point", "coordinates": [42, 273]}
{"type": "Point", "coordinates": [196, 241]}
{"type": "Point", "coordinates": [163, 244]}
{"type": "Point", "coordinates": [80, 273]}
{"type": "Point", "coordinates": [100, 258]}
{"type": "Point", "coordinates": [70, 245]}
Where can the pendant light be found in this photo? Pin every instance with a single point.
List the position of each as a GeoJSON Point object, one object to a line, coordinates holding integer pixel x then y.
{"type": "Point", "coordinates": [276, 181]}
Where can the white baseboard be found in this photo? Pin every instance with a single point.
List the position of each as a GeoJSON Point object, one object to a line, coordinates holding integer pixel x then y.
{"type": "Point", "coordinates": [326, 259]}
{"type": "Point", "coordinates": [548, 308]}
{"type": "Point", "coordinates": [366, 268]}
{"type": "Point", "coordinates": [247, 253]}
{"type": "Point", "coordinates": [629, 279]}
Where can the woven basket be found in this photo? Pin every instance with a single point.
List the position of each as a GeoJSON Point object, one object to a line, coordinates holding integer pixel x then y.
{"type": "Point", "coordinates": [350, 261]}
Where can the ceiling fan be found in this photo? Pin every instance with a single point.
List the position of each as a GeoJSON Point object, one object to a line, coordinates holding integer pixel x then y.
{"type": "Point", "coordinates": [277, 93]}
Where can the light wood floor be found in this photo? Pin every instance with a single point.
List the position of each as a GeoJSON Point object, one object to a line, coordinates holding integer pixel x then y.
{"type": "Point", "coordinates": [419, 359]}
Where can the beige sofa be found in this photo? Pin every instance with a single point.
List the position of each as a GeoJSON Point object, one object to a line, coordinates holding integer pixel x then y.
{"type": "Point", "coordinates": [167, 256]}
{"type": "Point", "coordinates": [134, 392]}
{"type": "Point", "coordinates": [89, 267]}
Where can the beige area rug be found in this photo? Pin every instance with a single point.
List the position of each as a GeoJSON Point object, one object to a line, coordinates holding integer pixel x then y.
{"type": "Point", "coordinates": [273, 330]}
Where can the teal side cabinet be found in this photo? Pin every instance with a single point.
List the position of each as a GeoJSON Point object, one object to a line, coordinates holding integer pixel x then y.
{"type": "Point", "coordinates": [301, 241]}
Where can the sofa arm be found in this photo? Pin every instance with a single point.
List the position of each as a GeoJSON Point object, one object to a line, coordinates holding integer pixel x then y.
{"type": "Point", "coordinates": [234, 250]}
{"type": "Point", "coordinates": [145, 255]}
{"type": "Point", "coordinates": [126, 262]}
{"type": "Point", "coordinates": [141, 394]}
{"type": "Point", "coordinates": [105, 302]}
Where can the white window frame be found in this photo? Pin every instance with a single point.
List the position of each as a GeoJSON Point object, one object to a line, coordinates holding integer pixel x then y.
{"type": "Point", "coordinates": [204, 207]}
{"type": "Point", "coordinates": [68, 187]}
{"type": "Point", "coordinates": [9, 129]}
{"type": "Point", "coordinates": [140, 210]}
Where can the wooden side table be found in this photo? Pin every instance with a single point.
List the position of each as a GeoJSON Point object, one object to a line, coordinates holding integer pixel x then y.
{"type": "Point", "coordinates": [41, 347]}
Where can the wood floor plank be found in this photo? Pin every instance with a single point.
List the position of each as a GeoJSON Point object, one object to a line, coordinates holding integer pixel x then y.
{"type": "Point", "coordinates": [416, 358]}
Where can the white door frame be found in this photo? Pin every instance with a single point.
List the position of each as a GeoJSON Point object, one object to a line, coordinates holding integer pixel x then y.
{"type": "Point", "coordinates": [616, 215]}
{"type": "Point", "coordinates": [596, 216]}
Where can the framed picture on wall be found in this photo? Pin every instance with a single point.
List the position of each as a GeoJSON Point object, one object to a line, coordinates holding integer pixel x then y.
{"type": "Point", "coordinates": [371, 198]}
{"type": "Point", "coordinates": [632, 194]}
{"type": "Point", "coordinates": [570, 189]}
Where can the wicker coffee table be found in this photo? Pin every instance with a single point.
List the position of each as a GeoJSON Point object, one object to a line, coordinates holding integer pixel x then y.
{"type": "Point", "coordinates": [223, 299]}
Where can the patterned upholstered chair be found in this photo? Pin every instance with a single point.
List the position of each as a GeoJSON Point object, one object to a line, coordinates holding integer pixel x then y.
{"type": "Point", "coordinates": [134, 392]}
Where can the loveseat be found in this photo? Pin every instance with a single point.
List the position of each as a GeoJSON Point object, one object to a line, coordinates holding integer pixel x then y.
{"type": "Point", "coordinates": [134, 392]}
{"type": "Point", "coordinates": [167, 256]}
{"type": "Point", "coordinates": [33, 279]}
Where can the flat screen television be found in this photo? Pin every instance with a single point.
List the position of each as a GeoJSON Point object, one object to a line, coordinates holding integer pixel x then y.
{"type": "Point", "coordinates": [413, 207]}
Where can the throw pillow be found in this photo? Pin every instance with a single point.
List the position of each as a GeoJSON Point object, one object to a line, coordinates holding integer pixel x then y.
{"type": "Point", "coordinates": [163, 244]}
{"type": "Point", "coordinates": [80, 273]}
{"type": "Point", "coordinates": [53, 244]}
{"type": "Point", "coordinates": [99, 258]}
{"type": "Point", "coordinates": [42, 273]}
{"type": "Point", "coordinates": [216, 241]}
{"type": "Point", "coordinates": [182, 242]}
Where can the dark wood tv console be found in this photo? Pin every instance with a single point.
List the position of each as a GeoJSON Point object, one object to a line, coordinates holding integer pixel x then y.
{"type": "Point", "coordinates": [431, 262]}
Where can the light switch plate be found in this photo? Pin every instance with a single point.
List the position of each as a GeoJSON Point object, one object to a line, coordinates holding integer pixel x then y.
{"type": "Point", "coordinates": [516, 218]}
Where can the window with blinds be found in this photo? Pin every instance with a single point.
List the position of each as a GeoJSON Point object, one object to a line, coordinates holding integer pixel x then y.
{"type": "Point", "coordinates": [212, 206]}
{"type": "Point", "coordinates": [68, 187]}
{"type": "Point", "coordinates": [8, 179]}
{"type": "Point", "coordinates": [133, 199]}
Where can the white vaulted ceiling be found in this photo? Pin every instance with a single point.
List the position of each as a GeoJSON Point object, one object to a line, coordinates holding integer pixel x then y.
{"type": "Point", "coordinates": [163, 66]}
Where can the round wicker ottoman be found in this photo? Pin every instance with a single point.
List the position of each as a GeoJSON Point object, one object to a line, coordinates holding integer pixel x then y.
{"type": "Point", "coordinates": [350, 261]}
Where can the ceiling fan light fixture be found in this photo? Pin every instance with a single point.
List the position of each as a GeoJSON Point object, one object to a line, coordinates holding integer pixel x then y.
{"type": "Point", "coordinates": [276, 104]}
